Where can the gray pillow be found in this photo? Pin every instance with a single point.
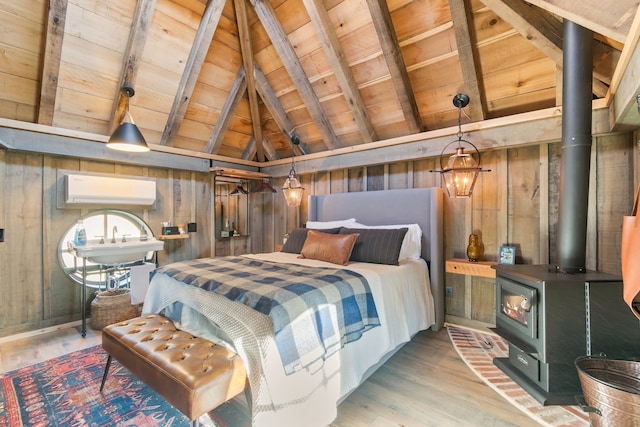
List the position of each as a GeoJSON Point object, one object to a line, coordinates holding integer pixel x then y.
{"type": "Point", "coordinates": [377, 245]}
{"type": "Point", "coordinates": [297, 237]}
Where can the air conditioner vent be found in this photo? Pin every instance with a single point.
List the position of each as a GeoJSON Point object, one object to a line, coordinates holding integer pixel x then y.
{"type": "Point", "coordinates": [90, 189]}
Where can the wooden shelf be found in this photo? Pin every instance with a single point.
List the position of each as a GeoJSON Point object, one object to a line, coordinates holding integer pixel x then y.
{"type": "Point", "coordinates": [172, 236]}
{"type": "Point", "coordinates": [478, 268]}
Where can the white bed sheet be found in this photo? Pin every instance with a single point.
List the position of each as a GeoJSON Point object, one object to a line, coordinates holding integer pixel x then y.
{"type": "Point", "coordinates": [405, 306]}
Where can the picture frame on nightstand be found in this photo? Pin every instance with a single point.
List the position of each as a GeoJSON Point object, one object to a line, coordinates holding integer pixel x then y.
{"type": "Point", "coordinates": [507, 255]}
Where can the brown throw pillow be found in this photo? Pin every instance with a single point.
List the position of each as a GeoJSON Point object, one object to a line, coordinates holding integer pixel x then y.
{"type": "Point", "coordinates": [334, 248]}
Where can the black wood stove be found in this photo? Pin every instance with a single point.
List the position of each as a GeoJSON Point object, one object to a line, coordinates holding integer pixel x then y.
{"type": "Point", "coordinates": [551, 318]}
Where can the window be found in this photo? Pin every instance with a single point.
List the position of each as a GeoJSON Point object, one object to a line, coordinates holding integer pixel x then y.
{"type": "Point", "coordinates": [101, 225]}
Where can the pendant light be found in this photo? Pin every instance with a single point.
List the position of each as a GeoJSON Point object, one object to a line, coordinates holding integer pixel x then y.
{"type": "Point", "coordinates": [127, 136]}
{"type": "Point", "coordinates": [292, 189]}
{"type": "Point", "coordinates": [461, 169]}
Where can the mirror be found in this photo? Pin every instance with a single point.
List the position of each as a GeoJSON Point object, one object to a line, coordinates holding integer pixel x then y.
{"type": "Point", "coordinates": [231, 207]}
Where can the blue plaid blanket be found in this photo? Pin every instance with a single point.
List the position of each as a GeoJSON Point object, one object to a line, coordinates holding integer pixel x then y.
{"type": "Point", "coordinates": [315, 311]}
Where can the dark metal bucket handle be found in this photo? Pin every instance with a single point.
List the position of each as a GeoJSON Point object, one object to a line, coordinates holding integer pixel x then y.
{"type": "Point", "coordinates": [586, 408]}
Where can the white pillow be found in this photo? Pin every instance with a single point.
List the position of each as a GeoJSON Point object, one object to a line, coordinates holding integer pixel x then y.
{"type": "Point", "coordinates": [412, 243]}
{"type": "Point", "coordinates": [322, 225]}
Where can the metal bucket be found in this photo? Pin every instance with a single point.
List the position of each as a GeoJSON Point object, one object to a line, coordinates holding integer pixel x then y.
{"type": "Point", "coordinates": [611, 390]}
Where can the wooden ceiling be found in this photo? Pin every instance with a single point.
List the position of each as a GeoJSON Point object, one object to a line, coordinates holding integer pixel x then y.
{"type": "Point", "coordinates": [239, 78]}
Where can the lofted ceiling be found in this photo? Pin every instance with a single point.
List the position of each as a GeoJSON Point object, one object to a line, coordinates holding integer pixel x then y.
{"type": "Point", "coordinates": [239, 78]}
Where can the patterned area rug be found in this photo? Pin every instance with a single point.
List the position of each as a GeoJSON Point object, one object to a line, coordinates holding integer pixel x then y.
{"type": "Point", "coordinates": [478, 350]}
{"type": "Point", "coordinates": [65, 391]}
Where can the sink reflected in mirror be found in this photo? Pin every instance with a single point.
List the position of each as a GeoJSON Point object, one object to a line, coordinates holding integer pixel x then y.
{"type": "Point", "coordinates": [117, 253]}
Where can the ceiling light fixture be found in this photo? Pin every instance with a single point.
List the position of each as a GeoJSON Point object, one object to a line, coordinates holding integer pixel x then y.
{"type": "Point", "coordinates": [127, 136]}
{"type": "Point", "coordinates": [292, 189]}
{"type": "Point", "coordinates": [461, 169]}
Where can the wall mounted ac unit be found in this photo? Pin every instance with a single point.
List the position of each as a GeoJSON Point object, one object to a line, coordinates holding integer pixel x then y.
{"type": "Point", "coordinates": [90, 189]}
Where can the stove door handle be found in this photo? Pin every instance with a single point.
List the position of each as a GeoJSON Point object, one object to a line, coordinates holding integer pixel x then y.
{"type": "Point", "coordinates": [525, 304]}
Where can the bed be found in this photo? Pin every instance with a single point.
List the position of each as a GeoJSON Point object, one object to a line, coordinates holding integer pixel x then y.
{"type": "Point", "coordinates": [312, 385]}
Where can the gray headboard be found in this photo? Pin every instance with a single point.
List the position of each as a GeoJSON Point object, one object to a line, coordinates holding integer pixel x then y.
{"type": "Point", "coordinates": [423, 206]}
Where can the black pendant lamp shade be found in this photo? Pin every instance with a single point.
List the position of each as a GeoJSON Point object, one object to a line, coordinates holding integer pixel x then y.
{"type": "Point", "coordinates": [127, 136]}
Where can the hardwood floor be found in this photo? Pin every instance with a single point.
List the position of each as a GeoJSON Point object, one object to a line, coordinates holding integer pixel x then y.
{"type": "Point", "coordinates": [424, 384]}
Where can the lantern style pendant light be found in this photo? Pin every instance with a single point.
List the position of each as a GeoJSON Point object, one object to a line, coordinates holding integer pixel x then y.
{"type": "Point", "coordinates": [292, 189]}
{"type": "Point", "coordinates": [127, 136]}
{"type": "Point", "coordinates": [462, 168]}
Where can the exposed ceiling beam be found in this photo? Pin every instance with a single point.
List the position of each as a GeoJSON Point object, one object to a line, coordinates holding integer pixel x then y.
{"type": "Point", "coordinates": [291, 62]}
{"type": "Point", "coordinates": [395, 62]}
{"type": "Point", "coordinates": [250, 150]}
{"type": "Point", "coordinates": [132, 54]}
{"type": "Point", "coordinates": [540, 28]}
{"type": "Point", "coordinates": [51, 65]}
{"type": "Point", "coordinates": [247, 60]}
{"type": "Point", "coordinates": [228, 109]}
{"type": "Point", "coordinates": [606, 18]}
{"type": "Point", "coordinates": [274, 106]}
{"type": "Point", "coordinates": [544, 126]}
{"type": "Point", "coordinates": [197, 56]}
{"type": "Point", "coordinates": [468, 56]}
{"type": "Point", "coordinates": [335, 54]}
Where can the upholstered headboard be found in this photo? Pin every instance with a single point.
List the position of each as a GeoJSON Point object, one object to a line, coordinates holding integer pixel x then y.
{"type": "Point", "coordinates": [423, 206]}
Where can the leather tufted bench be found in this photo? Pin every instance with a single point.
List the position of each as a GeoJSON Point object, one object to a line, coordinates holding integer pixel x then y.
{"type": "Point", "coordinates": [192, 374]}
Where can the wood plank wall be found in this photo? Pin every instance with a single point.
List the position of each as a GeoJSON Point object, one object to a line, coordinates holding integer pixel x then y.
{"type": "Point", "coordinates": [516, 204]}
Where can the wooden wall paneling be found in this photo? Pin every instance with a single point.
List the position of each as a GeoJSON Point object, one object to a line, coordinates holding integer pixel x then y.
{"type": "Point", "coordinates": [615, 194]}
{"type": "Point", "coordinates": [455, 220]}
{"type": "Point", "coordinates": [483, 303]}
{"type": "Point", "coordinates": [279, 213]}
{"type": "Point", "coordinates": [339, 181]}
{"type": "Point", "coordinates": [61, 294]}
{"type": "Point", "coordinates": [202, 215]}
{"type": "Point", "coordinates": [485, 203]}
{"type": "Point", "coordinates": [375, 177]}
{"type": "Point", "coordinates": [554, 153]}
{"type": "Point", "coordinates": [299, 215]}
{"type": "Point", "coordinates": [321, 183]}
{"type": "Point", "coordinates": [357, 179]}
{"type": "Point", "coordinates": [182, 207]}
{"type": "Point", "coordinates": [543, 236]}
{"type": "Point", "coordinates": [163, 207]}
{"type": "Point", "coordinates": [422, 177]}
{"type": "Point", "coordinates": [399, 175]}
{"type": "Point", "coordinates": [263, 237]}
{"type": "Point", "coordinates": [23, 241]}
{"type": "Point", "coordinates": [524, 203]}
{"type": "Point", "coordinates": [591, 250]}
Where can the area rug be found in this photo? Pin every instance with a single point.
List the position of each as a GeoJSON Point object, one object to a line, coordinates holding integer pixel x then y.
{"type": "Point", "coordinates": [65, 391]}
{"type": "Point", "coordinates": [478, 349]}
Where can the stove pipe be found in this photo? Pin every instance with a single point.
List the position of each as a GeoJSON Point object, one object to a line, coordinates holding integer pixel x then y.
{"type": "Point", "coordinates": [576, 147]}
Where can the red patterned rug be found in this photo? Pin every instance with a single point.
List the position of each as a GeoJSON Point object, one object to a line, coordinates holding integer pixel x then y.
{"type": "Point", "coordinates": [65, 391]}
{"type": "Point", "coordinates": [478, 350]}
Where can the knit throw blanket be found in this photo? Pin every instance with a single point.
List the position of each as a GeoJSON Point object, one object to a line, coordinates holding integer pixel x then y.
{"type": "Point", "coordinates": [315, 311]}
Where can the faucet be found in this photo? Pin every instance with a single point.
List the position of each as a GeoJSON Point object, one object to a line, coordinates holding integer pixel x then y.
{"type": "Point", "coordinates": [113, 234]}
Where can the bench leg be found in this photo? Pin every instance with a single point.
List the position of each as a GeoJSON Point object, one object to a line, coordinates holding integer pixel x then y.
{"type": "Point", "coordinates": [106, 372]}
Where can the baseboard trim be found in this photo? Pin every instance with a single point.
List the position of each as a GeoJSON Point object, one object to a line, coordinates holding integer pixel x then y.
{"type": "Point", "coordinates": [28, 334]}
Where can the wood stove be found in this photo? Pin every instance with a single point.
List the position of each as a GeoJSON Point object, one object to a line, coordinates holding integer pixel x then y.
{"type": "Point", "coordinates": [551, 318]}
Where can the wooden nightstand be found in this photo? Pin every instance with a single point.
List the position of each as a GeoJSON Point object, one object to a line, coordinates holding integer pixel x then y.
{"type": "Point", "coordinates": [477, 268]}
{"type": "Point", "coordinates": [475, 295]}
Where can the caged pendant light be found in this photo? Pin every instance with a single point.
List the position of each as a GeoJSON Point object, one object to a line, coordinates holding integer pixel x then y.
{"type": "Point", "coordinates": [127, 136]}
{"type": "Point", "coordinates": [292, 189]}
{"type": "Point", "coordinates": [462, 168]}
